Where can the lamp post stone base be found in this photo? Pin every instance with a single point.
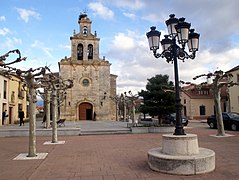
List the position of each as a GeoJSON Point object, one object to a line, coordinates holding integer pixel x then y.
{"type": "Point", "coordinates": [180, 155]}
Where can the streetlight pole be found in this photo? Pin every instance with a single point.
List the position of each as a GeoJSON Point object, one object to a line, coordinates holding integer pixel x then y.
{"type": "Point", "coordinates": [178, 124]}
{"type": "Point", "coordinates": [180, 30]}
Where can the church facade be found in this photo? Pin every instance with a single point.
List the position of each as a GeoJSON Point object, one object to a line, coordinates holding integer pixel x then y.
{"type": "Point", "coordinates": [90, 97]}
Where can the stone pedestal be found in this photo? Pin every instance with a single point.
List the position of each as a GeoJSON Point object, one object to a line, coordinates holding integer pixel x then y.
{"type": "Point", "coordinates": [181, 155]}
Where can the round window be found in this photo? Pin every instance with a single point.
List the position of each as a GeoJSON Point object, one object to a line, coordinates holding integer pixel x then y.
{"type": "Point", "coordinates": [85, 82]}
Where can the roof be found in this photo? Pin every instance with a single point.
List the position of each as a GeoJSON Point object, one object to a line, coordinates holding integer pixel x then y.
{"type": "Point", "coordinates": [193, 92]}
{"type": "Point", "coordinates": [233, 69]}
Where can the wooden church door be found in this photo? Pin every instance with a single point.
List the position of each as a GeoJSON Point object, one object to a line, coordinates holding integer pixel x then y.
{"type": "Point", "coordinates": [85, 111]}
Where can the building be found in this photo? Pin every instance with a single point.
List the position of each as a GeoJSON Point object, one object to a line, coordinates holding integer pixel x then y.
{"type": "Point", "coordinates": [233, 92]}
{"type": "Point", "coordinates": [89, 98]}
{"type": "Point", "coordinates": [4, 96]}
{"type": "Point", "coordinates": [197, 103]}
{"type": "Point", "coordinates": [12, 98]}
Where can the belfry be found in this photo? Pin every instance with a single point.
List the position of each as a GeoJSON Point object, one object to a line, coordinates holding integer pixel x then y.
{"type": "Point", "coordinates": [89, 98]}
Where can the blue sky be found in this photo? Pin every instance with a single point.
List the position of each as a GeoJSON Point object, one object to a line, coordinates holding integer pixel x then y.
{"type": "Point", "coordinates": [41, 29]}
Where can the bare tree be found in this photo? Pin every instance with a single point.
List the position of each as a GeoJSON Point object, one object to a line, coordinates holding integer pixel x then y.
{"type": "Point", "coordinates": [116, 99]}
{"type": "Point", "coordinates": [123, 101]}
{"type": "Point", "coordinates": [132, 98]}
{"type": "Point", "coordinates": [46, 97]}
{"type": "Point", "coordinates": [4, 57]}
{"type": "Point", "coordinates": [29, 77]}
{"type": "Point", "coordinates": [57, 87]}
{"type": "Point", "coordinates": [219, 79]}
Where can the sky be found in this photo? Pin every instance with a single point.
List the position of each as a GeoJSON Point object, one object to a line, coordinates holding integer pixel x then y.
{"type": "Point", "coordinates": [41, 30]}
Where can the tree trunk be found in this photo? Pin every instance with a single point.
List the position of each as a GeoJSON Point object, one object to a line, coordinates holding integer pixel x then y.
{"type": "Point", "coordinates": [133, 109]}
{"type": "Point", "coordinates": [116, 111]}
{"type": "Point", "coordinates": [160, 119]}
{"type": "Point", "coordinates": [47, 108]}
{"type": "Point", "coordinates": [54, 117]}
{"type": "Point", "coordinates": [32, 116]}
{"type": "Point", "coordinates": [217, 101]}
{"type": "Point", "coordinates": [124, 110]}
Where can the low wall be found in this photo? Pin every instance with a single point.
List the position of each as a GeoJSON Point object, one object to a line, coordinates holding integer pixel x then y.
{"type": "Point", "coordinates": [40, 132]}
{"type": "Point", "coordinates": [152, 129]}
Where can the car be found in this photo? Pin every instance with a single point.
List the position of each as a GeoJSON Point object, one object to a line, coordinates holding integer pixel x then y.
{"type": "Point", "coordinates": [230, 121]}
{"type": "Point", "coordinates": [171, 119]}
{"type": "Point", "coordinates": [145, 117]}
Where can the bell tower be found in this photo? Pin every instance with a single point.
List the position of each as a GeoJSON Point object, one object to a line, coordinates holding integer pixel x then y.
{"type": "Point", "coordinates": [89, 98]}
{"type": "Point", "coordinates": [84, 45]}
{"type": "Point", "coordinates": [85, 25]}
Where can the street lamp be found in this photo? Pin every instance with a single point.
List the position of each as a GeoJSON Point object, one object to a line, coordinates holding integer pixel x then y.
{"type": "Point", "coordinates": [180, 30]}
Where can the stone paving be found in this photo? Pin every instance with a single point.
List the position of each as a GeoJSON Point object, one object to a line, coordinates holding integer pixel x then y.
{"type": "Point", "coordinates": [109, 157]}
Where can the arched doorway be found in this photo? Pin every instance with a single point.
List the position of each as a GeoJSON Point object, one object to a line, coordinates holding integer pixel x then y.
{"type": "Point", "coordinates": [85, 111]}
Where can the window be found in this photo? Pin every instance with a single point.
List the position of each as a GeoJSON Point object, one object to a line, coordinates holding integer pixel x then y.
{"type": "Point", "coordinates": [5, 90]}
{"type": "Point", "coordinates": [203, 92]}
{"type": "Point", "coordinates": [80, 52]}
{"type": "Point", "coordinates": [202, 110]}
{"type": "Point", "coordinates": [90, 51]}
{"type": "Point", "coordinates": [85, 82]}
{"type": "Point", "coordinates": [185, 110]}
{"type": "Point", "coordinates": [237, 77]}
{"type": "Point", "coordinates": [13, 97]}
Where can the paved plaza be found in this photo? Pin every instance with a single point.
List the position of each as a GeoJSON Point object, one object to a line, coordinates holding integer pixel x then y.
{"type": "Point", "coordinates": [109, 156]}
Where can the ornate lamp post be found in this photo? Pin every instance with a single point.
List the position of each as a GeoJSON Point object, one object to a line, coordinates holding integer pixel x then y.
{"type": "Point", "coordinates": [180, 30]}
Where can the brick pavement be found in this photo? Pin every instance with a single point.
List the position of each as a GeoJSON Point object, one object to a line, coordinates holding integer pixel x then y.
{"type": "Point", "coordinates": [109, 157]}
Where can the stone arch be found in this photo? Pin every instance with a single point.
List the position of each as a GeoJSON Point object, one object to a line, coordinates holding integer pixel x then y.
{"type": "Point", "coordinates": [80, 51]}
{"type": "Point", "coordinates": [85, 31]}
{"type": "Point", "coordinates": [90, 51]}
{"type": "Point", "coordinates": [85, 111]}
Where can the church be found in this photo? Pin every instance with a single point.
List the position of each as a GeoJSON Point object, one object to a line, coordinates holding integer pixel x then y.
{"type": "Point", "coordinates": [94, 85]}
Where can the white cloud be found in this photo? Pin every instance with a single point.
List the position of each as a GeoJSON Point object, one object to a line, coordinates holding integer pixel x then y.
{"type": "Point", "coordinates": [25, 14]}
{"type": "Point", "coordinates": [123, 43]}
{"type": "Point", "coordinates": [101, 10]}
{"type": "Point", "coordinates": [130, 15]}
{"type": "Point", "coordinates": [153, 18]}
{"type": "Point", "coordinates": [39, 45]}
{"type": "Point", "coordinates": [65, 46]}
{"type": "Point", "coordinates": [4, 31]}
{"type": "Point", "coordinates": [132, 4]}
{"type": "Point", "coordinates": [2, 18]}
{"type": "Point", "coordinates": [214, 21]}
{"type": "Point", "coordinates": [134, 63]}
{"type": "Point", "coordinates": [11, 43]}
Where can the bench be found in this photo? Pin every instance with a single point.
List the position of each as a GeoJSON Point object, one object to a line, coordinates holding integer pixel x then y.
{"type": "Point", "coordinates": [60, 122]}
